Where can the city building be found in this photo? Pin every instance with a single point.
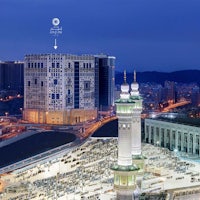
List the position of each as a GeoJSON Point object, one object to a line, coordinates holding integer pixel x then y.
{"type": "Point", "coordinates": [125, 171]}
{"type": "Point", "coordinates": [178, 134]}
{"type": "Point", "coordinates": [105, 83]}
{"type": "Point", "coordinates": [195, 96]}
{"type": "Point", "coordinates": [67, 89]}
{"type": "Point", "coordinates": [11, 76]}
{"type": "Point", "coordinates": [169, 93]}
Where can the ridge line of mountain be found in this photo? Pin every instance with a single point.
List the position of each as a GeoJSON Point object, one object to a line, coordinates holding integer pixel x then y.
{"type": "Point", "coordinates": [182, 76]}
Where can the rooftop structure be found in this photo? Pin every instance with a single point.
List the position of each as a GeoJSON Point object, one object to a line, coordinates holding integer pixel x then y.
{"type": "Point", "coordinates": [84, 173]}
{"type": "Point", "coordinates": [179, 120]}
{"type": "Point", "coordinates": [33, 146]}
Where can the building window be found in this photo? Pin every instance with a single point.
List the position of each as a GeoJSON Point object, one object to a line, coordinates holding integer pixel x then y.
{"type": "Point", "coordinates": [53, 96]}
{"type": "Point", "coordinates": [35, 81]}
{"type": "Point", "coordinates": [68, 100]}
{"type": "Point", "coordinates": [41, 65]}
{"type": "Point", "coordinates": [29, 83]}
{"type": "Point", "coordinates": [68, 92]}
{"type": "Point", "coordinates": [86, 85]}
{"type": "Point", "coordinates": [38, 65]}
{"type": "Point", "coordinates": [35, 65]}
{"type": "Point", "coordinates": [55, 81]}
{"type": "Point", "coordinates": [29, 65]}
{"type": "Point", "coordinates": [57, 96]}
{"type": "Point", "coordinates": [57, 65]}
{"type": "Point", "coordinates": [53, 65]}
{"type": "Point", "coordinates": [69, 65]}
{"type": "Point", "coordinates": [42, 84]}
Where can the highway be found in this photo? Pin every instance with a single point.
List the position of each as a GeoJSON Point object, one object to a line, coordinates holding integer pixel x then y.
{"type": "Point", "coordinates": [172, 106]}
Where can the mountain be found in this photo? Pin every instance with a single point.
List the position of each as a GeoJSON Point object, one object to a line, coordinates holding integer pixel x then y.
{"type": "Point", "coordinates": [184, 76]}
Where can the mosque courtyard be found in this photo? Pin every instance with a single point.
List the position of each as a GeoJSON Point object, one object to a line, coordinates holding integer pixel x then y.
{"type": "Point", "coordinates": [84, 173]}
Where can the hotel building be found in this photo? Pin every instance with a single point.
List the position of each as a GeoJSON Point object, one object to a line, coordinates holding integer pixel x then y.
{"type": "Point", "coordinates": [61, 88]}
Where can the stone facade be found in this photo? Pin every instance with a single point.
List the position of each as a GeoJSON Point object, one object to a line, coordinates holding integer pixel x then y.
{"type": "Point", "coordinates": [182, 137]}
{"type": "Point", "coordinates": [59, 88]}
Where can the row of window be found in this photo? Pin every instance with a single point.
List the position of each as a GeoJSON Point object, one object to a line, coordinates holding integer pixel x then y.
{"type": "Point", "coordinates": [35, 65]}
{"type": "Point", "coordinates": [36, 82]}
{"type": "Point", "coordinates": [55, 65]}
{"type": "Point", "coordinates": [55, 96]}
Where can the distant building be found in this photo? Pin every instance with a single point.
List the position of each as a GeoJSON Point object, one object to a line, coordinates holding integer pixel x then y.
{"type": "Point", "coordinates": [169, 89]}
{"type": "Point", "coordinates": [195, 96]}
{"type": "Point", "coordinates": [12, 76]}
{"type": "Point", "coordinates": [178, 133]}
{"type": "Point", "coordinates": [64, 89]}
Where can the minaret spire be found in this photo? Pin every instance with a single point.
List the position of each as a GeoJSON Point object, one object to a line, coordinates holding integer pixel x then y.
{"type": "Point", "coordinates": [124, 76]}
{"type": "Point", "coordinates": [124, 88]}
{"type": "Point", "coordinates": [134, 76]}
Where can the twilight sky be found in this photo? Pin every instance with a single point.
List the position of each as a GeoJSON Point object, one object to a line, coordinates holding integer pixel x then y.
{"type": "Point", "coordinates": [161, 35]}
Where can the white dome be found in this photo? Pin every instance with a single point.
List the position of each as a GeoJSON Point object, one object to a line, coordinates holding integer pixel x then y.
{"type": "Point", "coordinates": [134, 87]}
{"type": "Point", "coordinates": [125, 88]}
{"type": "Point", "coordinates": [124, 91]}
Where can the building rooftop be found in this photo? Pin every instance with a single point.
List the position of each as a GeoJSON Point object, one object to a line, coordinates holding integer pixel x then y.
{"type": "Point", "coordinates": [184, 121]}
{"type": "Point", "coordinates": [33, 145]}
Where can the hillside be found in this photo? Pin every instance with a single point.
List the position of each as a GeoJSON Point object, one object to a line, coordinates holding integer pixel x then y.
{"type": "Point", "coordinates": [185, 76]}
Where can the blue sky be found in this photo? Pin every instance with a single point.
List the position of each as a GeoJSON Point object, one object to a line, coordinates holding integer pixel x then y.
{"type": "Point", "coordinates": [160, 35]}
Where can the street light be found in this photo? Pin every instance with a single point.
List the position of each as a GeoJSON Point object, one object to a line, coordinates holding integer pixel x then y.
{"type": "Point", "coordinates": [6, 113]}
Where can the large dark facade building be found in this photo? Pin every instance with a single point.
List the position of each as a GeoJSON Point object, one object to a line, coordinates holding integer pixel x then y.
{"type": "Point", "coordinates": [105, 81]}
{"type": "Point", "coordinates": [12, 76]}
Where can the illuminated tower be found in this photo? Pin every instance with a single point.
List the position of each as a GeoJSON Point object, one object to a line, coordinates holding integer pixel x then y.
{"type": "Point", "coordinates": [124, 171]}
{"type": "Point", "coordinates": [136, 118]}
{"type": "Point", "coordinates": [138, 159]}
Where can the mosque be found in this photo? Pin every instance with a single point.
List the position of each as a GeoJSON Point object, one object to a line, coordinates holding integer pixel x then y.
{"type": "Point", "coordinates": [162, 174]}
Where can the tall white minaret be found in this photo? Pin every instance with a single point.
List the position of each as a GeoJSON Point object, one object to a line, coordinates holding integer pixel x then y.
{"type": "Point", "coordinates": [136, 118]}
{"type": "Point", "coordinates": [124, 124]}
{"type": "Point", "coordinates": [124, 171]}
